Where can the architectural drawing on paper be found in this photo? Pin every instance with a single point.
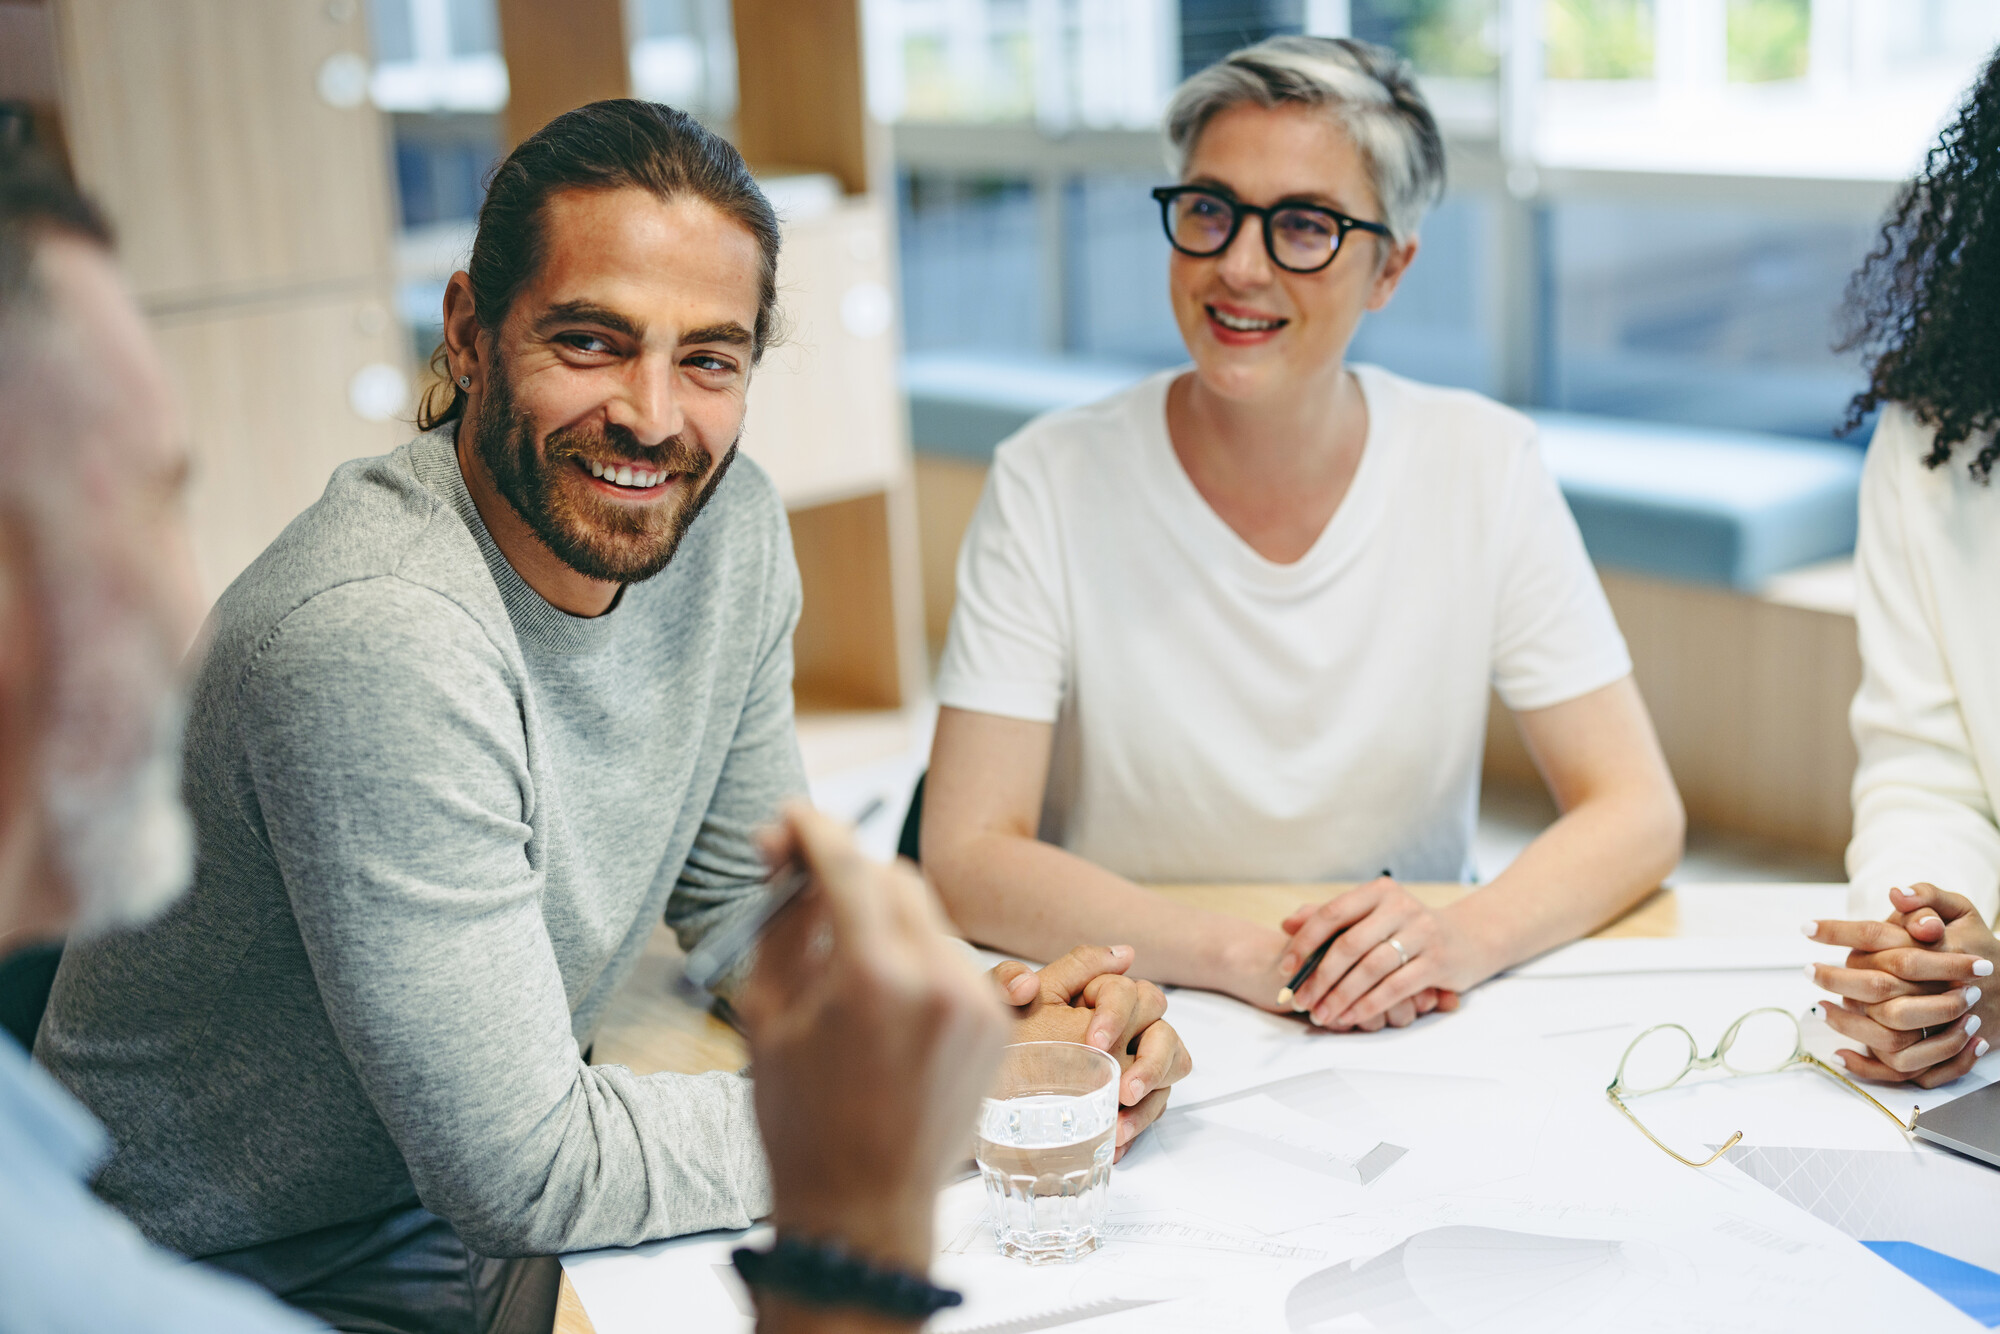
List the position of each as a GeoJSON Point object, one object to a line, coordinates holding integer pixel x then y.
{"type": "Point", "coordinates": [1055, 1319]}
{"type": "Point", "coordinates": [1922, 1195]}
{"type": "Point", "coordinates": [1300, 1138]}
{"type": "Point", "coordinates": [1462, 1278]}
{"type": "Point", "coordinates": [1174, 1228]}
{"type": "Point", "coordinates": [1184, 1230]}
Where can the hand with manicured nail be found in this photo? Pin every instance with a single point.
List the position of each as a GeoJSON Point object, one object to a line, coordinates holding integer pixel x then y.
{"type": "Point", "coordinates": [1086, 997]}
{"type": "Point", "coordinates": [1914, 988]}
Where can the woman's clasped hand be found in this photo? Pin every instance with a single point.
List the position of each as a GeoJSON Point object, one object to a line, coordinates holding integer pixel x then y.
{"type": "Point", "coordinates": [1392, 959]}
{"type": "Point", "coordinates": [1912, 990]}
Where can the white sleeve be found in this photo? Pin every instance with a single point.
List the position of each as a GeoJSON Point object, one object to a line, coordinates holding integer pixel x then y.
{"type": "Point", "coordinates": [1008, 650]}
{"type": "Point", "coordinates": [1554, 637]}
{"type": "Point", "coordinates": [1921, 811]}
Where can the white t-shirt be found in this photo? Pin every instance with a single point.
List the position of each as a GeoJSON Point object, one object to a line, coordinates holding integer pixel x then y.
{"type": "Point", "coordinates": [1222, 717]}
{"type": "Point", "coordinates": [1927, 717]}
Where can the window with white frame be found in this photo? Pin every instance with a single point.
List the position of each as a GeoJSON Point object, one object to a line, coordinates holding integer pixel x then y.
{"type": "Point", "coordinates": [1654, 209]}
{"type": "Point", "coordinates": [437, 55]}
{"type": "Point", "coordinates": [439, 74]}
{"type": "Point", "coordinates": [1655, 205]}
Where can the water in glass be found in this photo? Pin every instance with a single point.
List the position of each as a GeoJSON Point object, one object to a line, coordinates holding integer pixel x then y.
{"type": "Point", "coordinates": [1044, 1147]}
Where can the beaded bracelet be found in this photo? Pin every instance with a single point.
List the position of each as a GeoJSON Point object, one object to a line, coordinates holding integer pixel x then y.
{"type": "Point", "coordinates": [822, 1273]}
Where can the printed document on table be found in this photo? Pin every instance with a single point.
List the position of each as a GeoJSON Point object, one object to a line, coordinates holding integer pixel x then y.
{"type": "Point", "coordinates": [1573, 1224]}
{"type": "Point", "coordinates": [1520, 1198]}
{"type": "Point", "coordinates": [1676, 954]}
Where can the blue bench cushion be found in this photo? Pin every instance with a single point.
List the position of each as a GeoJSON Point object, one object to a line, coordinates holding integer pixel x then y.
{"type": "Point", "coordinates": [1730, 508]}
{"type": "Point", "coordinates": [1712, 507]}
{"type": "Point", "coordinates": [962, 404]}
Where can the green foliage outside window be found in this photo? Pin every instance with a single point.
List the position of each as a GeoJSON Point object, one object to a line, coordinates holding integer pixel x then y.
{"type": "Point", "coordinates": [1598, 39]}
{"type": "Point", "coordinates": [934, 90]}
{"type": "Point", "coordinates": [1452, 38]}
{"type": "Point", "coordinates": [1768, 39]}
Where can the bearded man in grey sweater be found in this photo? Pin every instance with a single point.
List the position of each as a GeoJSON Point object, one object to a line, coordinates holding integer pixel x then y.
{"type": "Point", "coordinates": [492, 707]}
{"type": "Point", "coordinates": [480, 717]}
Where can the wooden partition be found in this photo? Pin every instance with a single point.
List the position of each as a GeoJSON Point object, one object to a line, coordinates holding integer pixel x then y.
{"type": "Point", "coordinates": [560, 56]}
{"type": "Point", "coordinates": [801, 96]}
{"type": "Point", "coordinates": [851, 555]}
{"type": "Point", "coordinates": [234, 148]}
{"type": "Point", "coordinates": [1749, 694]}
{"type": "Point", "coordinates": [948, 491]}
{"type": "Point", "coordinates": [828, 417]}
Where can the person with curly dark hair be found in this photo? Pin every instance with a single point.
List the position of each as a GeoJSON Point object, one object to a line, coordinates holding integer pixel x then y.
{"type": "Point", "coordinates": [1921, 307]}
{"type": "Point", "coordinates": [1927, 717]}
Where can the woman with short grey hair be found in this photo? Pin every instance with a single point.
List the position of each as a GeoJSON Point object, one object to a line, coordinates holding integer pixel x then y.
{"type": "Point", "coordinates": [1367, 90]}
{"type": "Point", "coordinates": [1240, 622]}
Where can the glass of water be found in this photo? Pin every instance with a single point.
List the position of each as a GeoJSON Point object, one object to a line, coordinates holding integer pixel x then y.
{"type": "Point", "coordinates": [1046, 1136]}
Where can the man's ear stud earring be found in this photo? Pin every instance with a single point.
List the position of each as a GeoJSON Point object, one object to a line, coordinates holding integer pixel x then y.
{"type": "Point", "coordinates": [465, 382]}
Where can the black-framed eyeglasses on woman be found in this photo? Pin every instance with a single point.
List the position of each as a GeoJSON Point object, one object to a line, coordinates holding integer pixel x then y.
{"type": "Point", "coordinates": [1299, 238]}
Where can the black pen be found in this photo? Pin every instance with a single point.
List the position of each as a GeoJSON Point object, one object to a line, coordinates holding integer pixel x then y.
{"type": "Point", "coordinates": [1313, 960]}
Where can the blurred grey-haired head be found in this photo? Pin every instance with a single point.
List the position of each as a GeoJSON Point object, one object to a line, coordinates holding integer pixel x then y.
{"type": "Point", "coordinates": [108, 762]}
{"type": "Point", "coordinates": [1369, 91]}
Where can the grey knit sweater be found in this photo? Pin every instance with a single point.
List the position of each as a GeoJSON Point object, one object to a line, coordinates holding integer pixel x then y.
{"type": "Point", "coordinates": [438, 819]}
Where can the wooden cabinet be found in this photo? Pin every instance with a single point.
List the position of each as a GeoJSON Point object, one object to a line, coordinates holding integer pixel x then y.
{"type": "Point", "coordinates": [825, 417]}
{"type": "Point", "coordinates": [560, 55]}
{"type": "Point", "coordinates": [202, 128]}
{"type": "Point", "coordinates": [266, 437]}
{"type": "Point", "coordinates": [234, 148]}
{"type": "Point", "coordinates": [253, 215]}
{"type": "Point", "coordinates": [802, 107]}
{"type": "Point", "coordinates": [801, 91]}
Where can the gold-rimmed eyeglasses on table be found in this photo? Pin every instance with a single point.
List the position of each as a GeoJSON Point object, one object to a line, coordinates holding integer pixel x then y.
{"type": "Point", "coordinates": [1761, 1042]}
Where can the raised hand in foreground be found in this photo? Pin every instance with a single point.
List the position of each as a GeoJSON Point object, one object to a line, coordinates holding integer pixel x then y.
{"type": "Point", "coordinates": [872, 1037]}
{"type": "Point", "coordinates": [1911, 988]}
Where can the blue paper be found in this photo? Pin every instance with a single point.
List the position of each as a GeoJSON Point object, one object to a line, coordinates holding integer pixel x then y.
{"type": "Point", "coordinates": [1971, 1289]}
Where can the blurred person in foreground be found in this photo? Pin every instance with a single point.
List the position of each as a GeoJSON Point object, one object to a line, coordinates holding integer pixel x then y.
{"type": "Point", "coordinates": [885, 1041]}
{"type": "Point", "coordinates": [97, 602]}
{"type": "Point", "coordinates": [481, 717]}
{"type": "Point", "coordinates": [1915, 993]}
{"type": "Point", "coordinates": [873, 1037]}
{"type": "Point", "coordinates": [1242, 621]}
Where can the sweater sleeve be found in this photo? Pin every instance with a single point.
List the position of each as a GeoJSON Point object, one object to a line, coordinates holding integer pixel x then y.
{"type": "Point", "coordinates": [761, 772]}
{"type": "Point", "coordinates": [1921, 811]}
{"type": "Point", "coordinates": [390, 773]}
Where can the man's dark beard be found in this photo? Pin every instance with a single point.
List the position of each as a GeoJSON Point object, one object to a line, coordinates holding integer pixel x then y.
{"type": "Point", "coordinates": [599, 539]}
